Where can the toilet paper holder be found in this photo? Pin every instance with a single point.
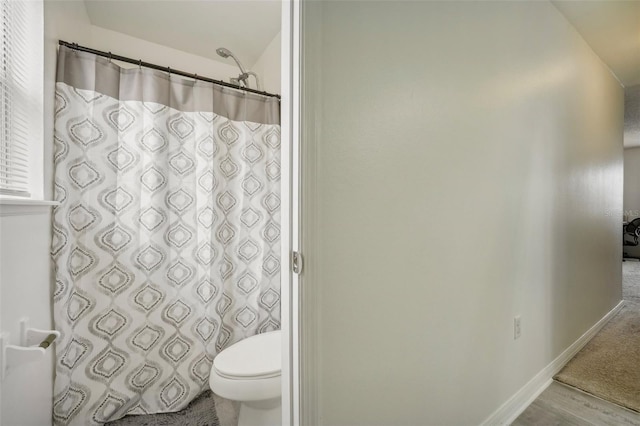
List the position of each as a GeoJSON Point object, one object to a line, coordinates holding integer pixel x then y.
{"type": "Point", "coordinates": [33, 345]}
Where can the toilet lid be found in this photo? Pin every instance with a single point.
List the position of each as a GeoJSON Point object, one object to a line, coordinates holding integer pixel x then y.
{"type": "Point", "coordinates": [255, 356]}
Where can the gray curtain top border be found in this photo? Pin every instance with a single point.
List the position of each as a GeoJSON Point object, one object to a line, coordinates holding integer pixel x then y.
{"type": "Point", "coordinates": [87, 71]}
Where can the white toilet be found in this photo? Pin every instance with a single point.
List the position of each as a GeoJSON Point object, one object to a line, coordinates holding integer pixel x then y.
{"type": "Point", "coordinates": [249, 372]}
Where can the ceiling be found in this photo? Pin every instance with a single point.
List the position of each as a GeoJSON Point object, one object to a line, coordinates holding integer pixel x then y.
{"type": "Point", "coordinates": [243, 26]}
{"type": "Point", "coordinates": [612, 29]}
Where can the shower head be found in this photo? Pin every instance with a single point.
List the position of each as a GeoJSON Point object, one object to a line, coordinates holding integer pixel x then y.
{"type": "Point", "coordinates": [226, 53]}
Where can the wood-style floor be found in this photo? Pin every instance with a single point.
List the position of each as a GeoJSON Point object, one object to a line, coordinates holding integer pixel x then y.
{"type": "Point", "coordinates": [563, 405]}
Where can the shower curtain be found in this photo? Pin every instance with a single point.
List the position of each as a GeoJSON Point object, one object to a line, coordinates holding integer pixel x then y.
{"type": "Point", "coordinates": [166, 243]}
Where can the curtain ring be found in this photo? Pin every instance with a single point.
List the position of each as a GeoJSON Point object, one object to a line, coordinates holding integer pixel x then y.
{"type": "Point", "coordinates": [109, 57]}
{"type": "Point", "coordinates": [140, 63]}
{"type": "Point", "coordinates": [169, 68]}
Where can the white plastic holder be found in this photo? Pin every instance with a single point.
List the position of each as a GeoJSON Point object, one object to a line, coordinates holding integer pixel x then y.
{"type": "Point", "coordinates": [30, 349]}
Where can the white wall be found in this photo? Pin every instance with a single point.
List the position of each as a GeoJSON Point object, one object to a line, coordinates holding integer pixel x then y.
{"type": "Point", "coordinates": [107, 40]}
{"type": "Point", "coordinates": [268, 66]}
{"type": "Point", "coordinates": [467, 158]}
{"type": "Point", "coordinates": [25, 271]}
{"type": "Point", "coordinates": [25, 240]}
{"type": "Point", "coordinates": [26, 290]}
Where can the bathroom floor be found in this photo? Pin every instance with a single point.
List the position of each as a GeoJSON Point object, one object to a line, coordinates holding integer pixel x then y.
{"type": "Point", "coordinates": [206, 410]}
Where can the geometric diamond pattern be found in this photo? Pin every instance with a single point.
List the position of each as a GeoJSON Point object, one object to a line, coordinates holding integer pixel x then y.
{"type": "Point", "coordinates": [152, 218]}
{"type": "Point", "coordinates": [270, 298]}
{"type": "Point", "coordinates": [228, 133]}
{"type": "Point", "coordinates": [121, 119]}
{"type": "Point", "coordinates": [83, 175]}
{"type": "Point", "coordinates": [271, 232]}
{"type": "Point", "coordinates": [181, 163]}
{"type": "Point", "coordinates": [118, 199]}
{"type": "Point", "coordinates": [176, 349]}
{"type": "Point", "coordinates": [225, 233]}
{"type": "Point", "coordinates": [205, 329]}
{"type": "Point", "coordinates": [80, 261]}
{"type": "Point", "coordinates": [246, 316]}
{"type": "Point", "coordinates": [179, 235]}
{"type": "Point", "coordinates": [206, 217]}
{"type": "Point", "coordinates": [150, 258]}
{"type": "Point", "coordinates": [146, 338]}
{"type": "Point", "coordinates": [179, 273]}
{"type": "Point", "coordinates": [248, 250]}
{"type": "Point", "coordinates": [153, 141]}
{"type": "Point", "coordinates": [121, 158]}
{"type": "Point", "coordinates": [202, 368]}
{"type": "Point", "coordinates": [173, 392]}
{"type": "Point", "coordinates": [252, 153]}
{"type": "Point", "coordinates": [206, 254]}
{"type": "Point", "coordinates": [67, 405]}
{"type": "Point", "coordinates": [272, 202]}
{"type": "Point", "coordinates": [206, 290]}
{"type": "Point", "coordinates": [272, 137]}
{"type": "Point", "coordinates": [273, 170]}
{"type": "Point", "coordinates": [85, 132]}
{"type": "Point", "coordinates": [207, 181]}
{"type": "Point", "coordinates": [148, 298]}
{"type": "Point", "coordinates": [116, 238]}
{"type": "Point", "coordinates": [179, 200]}
{"type": "Point", "coordinates": [152, 179]}
{"type": "Point", "coordinates": [74, 353]}
{"type": "Point", "coordinates": [108, 407]}
{"type": "Point", "coordinates": [107, 363]}
{"type": "Point", "coordinates": [111, 323]}
{"type": "Point", "coordinates": [80, 217]}
{"type": "Point", "coordinates": [271, 265]}
{"type": "Point", "coordinates": [177, 312]}
{"type": "Point", "coordinates": [251, 185]}
{"type": "Point", "coordinates": [229, 168]}
{"type": "Point", "coordinates": [78, 305]}
{"type": "Point", "coordinates": [247, 283]}
{"type": "Point", "coordinates": [226, 201]}
{"type": "Point", "coordinates": [144, 376]}
{"type": "Point", "coordinates": [250, 217]}
{"type": "Point", "coordinates": [207, 147]}
{"type": "Point", "coordinates": [181, 127]}
{"type": "Point", "coordinates": [166, 245]}
{"type": "Point", "coordinates": [115, 279]}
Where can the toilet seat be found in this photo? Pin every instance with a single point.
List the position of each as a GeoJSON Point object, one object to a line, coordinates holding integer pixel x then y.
{"type": "Point", "coordinates": [249, 370]}
{"type": "Point", "coordinates": [256, 357]}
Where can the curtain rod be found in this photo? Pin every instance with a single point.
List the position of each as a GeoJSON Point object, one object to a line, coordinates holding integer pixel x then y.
{"type": "Point", "coordinates": [141, 63]}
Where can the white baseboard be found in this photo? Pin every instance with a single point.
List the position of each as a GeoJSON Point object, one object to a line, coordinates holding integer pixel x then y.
{"type": "Point", "coordinates": [515, 405]}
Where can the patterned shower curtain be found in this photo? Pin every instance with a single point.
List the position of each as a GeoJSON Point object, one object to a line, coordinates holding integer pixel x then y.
{"type": "Point", "coordinates": [166, 243]}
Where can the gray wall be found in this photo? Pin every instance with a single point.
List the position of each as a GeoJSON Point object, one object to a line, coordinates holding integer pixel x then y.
{"type": "Point", "coordinates": [632, 116]}
{"type": "Point", "coordinates": [463, 165]}
{"type": "Point", "coordinates": [632, 152]}
{"type": "Point", "coordinates": [632, 191]}
{"type": "Point", "coordinates": [632, 182]}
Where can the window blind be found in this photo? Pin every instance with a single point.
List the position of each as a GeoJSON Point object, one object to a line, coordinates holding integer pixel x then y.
{"type": "Point", "coordinates": [15, 97]}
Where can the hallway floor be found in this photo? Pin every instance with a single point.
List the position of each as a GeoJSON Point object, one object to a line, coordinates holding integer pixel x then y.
{"type": "Point", "coordinates": [560, 404]}
{"type": "Point", "coordinates": [564, 405]}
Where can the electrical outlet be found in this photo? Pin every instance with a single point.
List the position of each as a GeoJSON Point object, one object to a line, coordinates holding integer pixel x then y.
{"type": "Point", "coordinates": [517, 327]}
